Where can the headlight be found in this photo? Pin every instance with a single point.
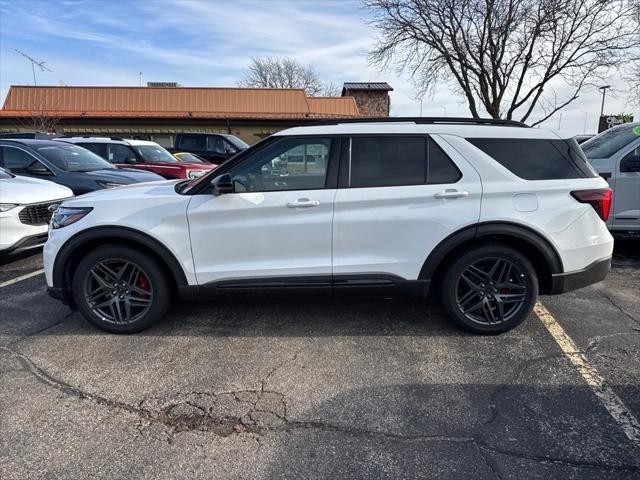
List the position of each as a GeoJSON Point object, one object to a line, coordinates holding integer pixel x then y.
{"type": "Point", "coordinates": [64, 216]}
{"type": "Point", "coordinates": [109, 184]}
{"type": "Point", "coordinates": [5, 207]}
{"type": "Point", "coordinates": [195, 173]}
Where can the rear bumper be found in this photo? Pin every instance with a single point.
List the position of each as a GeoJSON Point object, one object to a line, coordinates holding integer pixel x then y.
{"type": "Point", "coordinates": [593, 273]}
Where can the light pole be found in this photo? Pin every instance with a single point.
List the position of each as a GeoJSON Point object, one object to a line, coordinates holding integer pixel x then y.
{"type": "Point", "coordinates": [604, 92]}
{"type": "Point", "coordinates": [586, 114]}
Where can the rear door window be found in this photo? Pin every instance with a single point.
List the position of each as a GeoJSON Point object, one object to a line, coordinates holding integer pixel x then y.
{"type": "Point", "coordinates": [396, 161]}
{"type": "Point", "coordinates": [191, 142]}
{"type": "Point", "coordinates": [120, 153]}
{"type": "Point", "coordinates": [99, 149]}
{"type": "Point", "coordinates": [537, 159]}
{"type": "Point", "coordinates": [16, 160]}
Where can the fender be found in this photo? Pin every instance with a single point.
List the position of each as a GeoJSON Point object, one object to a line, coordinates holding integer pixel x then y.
{"type": "Point", "coordinates": [60, 275]}
{"type": "Point", "coordinates": [485, 229]}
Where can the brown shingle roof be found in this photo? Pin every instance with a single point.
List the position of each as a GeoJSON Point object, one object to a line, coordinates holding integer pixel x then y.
{"type": "Point", "coordinates": [129, 102]}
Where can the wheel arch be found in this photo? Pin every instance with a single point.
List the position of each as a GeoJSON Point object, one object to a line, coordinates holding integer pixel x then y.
{"type": "Point", "coordinates": [72, 250]}
{"type": "Point", "coordinates": [539, 250]}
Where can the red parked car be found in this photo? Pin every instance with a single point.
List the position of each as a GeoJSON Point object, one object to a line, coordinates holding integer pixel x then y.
{"type": "Point", "coordinates": [141, 155]}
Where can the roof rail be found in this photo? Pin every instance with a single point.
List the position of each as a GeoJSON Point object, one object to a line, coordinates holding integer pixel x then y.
{"type": "Point", "coordinates": [427, 121]}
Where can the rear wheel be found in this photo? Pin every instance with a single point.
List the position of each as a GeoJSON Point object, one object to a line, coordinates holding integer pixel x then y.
{"type": "Point", "coordinates": [120, 290]}
{"type": "Point", "coordinates": [489, 289]}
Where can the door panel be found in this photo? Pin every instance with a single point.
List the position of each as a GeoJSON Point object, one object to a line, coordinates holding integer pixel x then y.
{"type": "Point", "coordinates": [625, 212]}
{"type": "Point", "coordinates": [256, 234]}
{"type": "Point", "coordinates": [391, 230]}
{"type": "Point", "coordinates": [278, 223]}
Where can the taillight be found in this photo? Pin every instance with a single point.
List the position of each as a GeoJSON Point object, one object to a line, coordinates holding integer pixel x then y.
{"type": "Point", "coordinates": [599, 199]}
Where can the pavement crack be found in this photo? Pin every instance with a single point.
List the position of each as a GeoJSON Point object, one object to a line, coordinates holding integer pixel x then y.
{"type": "Point", "coordinates": [618, 307]}
{"type": "Point", "coordinates": [45, 378]}
{"type": "Point", "coordinates": [276, 368]}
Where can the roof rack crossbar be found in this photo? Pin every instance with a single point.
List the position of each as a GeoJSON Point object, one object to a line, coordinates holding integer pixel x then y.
{"type": "Point", "coordinates": [428, 121]}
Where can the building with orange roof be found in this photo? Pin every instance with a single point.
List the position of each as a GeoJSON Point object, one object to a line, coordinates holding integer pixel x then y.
{"type": "Point", "coordinates": [159, 112]}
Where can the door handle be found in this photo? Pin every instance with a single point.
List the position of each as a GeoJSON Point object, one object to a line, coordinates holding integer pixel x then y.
{"type": "Point", "coordinates": [303, 203]}
{"type": "Point", "coordinates": [451, 193]}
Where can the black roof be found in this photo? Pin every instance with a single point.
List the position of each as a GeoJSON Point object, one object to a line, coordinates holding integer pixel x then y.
{"type": "Point", "coordinates": [380, 86]}
{"type": "Point", "coordinates": [426, 121]}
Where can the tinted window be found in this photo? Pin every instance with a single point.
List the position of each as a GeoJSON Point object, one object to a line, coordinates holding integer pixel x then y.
{"type": "Point", "coordinates": [190, 142]}
{"type": "Point", "coordinates": [16, 160]}
{"type": "Point", "coordinates": [292, 164]}
{"type": "Point", "coordinates": [440, 168]}
{"type": "Point", "coordinates": [118, 153]}
{"type": "Point", "coordinates": [99, 149]}
{"type": "Point", "coordinates": [387, 161]}
{"type": "Point", "coordinates": [215, 144]}
{"type": "Point", "coordinates": [611, 141]}
{"type": "Point", "coordinates": [537, 159]}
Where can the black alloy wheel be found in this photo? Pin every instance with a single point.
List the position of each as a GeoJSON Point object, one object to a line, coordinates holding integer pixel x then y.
{"type": "Point", "coordinates": [488, 289]}
{"type": "Point", "coordinates": [121, 289]}
{"type": "Point", "coordinates": [118, 291]}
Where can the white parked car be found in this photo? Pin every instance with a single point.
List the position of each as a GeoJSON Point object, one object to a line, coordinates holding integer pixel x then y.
{"type": "Point", "coordinates": [24, 214]}
{"type": "Point", "coordinates": [487, 213]}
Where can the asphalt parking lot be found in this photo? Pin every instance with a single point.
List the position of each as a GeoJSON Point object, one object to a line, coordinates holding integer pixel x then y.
{"type": "Point", "coordinates": [302, 388]}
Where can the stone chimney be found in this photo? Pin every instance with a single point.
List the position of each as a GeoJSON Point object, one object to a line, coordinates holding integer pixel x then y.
{"type": "Point", "coordinates": [372, 98]}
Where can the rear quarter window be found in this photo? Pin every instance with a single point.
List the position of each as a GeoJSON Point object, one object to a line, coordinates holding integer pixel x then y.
{"type": "Point", "coordinates": [537, 159]}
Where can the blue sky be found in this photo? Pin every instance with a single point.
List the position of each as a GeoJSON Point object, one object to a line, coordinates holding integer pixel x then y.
{"type": "Point", "coordinates": [210, 43]}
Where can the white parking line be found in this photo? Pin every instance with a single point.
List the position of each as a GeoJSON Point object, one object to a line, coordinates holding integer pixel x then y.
{"type": "Point", "coordinates": [614, 405]}
{"type": "Point", "coordinates": [21, 277]}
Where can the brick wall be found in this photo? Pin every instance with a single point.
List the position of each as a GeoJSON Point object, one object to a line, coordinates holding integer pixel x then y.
{"type": "Point", "coordinates": [371, 103]}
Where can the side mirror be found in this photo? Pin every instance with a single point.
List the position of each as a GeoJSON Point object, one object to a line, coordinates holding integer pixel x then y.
{"type": "Point", "coordinates": [630, 164]}
{"type": "Point", "coordinates": [130, 161]}
{"type": "Point", "coordinates": [36, 168]}
{"type": "Point", "coordinates": [222, 184]}
{"type": "Point", "coordinates": [231, 151]}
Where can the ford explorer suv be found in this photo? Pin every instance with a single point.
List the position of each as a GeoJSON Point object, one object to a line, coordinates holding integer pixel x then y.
{"type": "Point", "coordinates": [140, 155]}
{"type": "Point", "coordinates": [615, 155]}
{"type": "Point", "coordinates": [72, 166]}
{"type": "Point", "coordinates": [487, 213]}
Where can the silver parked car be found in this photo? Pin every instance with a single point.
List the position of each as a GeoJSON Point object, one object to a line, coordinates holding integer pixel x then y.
{"type": "Point", "coordinates": [615, 155]}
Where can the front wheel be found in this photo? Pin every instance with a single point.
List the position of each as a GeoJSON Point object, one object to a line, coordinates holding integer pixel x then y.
{"type": "Point", "coordinates": [489, 289]}
{"type": "Point", "coordinates": [120, 290]}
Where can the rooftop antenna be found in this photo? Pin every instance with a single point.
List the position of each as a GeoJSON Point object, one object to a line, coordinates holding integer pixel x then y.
{"type": "Point", "coordinates": [41, 65]}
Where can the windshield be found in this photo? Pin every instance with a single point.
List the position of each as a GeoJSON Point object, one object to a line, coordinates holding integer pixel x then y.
{"type": "Point", "coordinates": [610, 141]}
{"type": "Point", "coordinates": [236, 142]}
{"type": "Point", "coordinates": [189, 157]}
{"type": "Point", "coordinates": [72, 158]}
{"type": "Point", "coordinates": [154, 154]}
{"type": "Point", "coordinates": [4, 174]}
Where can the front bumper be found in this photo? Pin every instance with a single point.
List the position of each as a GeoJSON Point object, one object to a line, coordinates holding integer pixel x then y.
{"type": "Point", "coordinates": [593, 273]}
{"type": "Point", "coordinates": [25, 243]}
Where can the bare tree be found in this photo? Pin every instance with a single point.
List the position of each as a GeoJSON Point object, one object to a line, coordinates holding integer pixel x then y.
{"type": "Point", "coordinates": [633, 71]}
{"type": "Point", "coordinates": [273, 72]}
{"type": "Point", "coordinates": [42, 116]}
{"type": "Point", "coordinates": [507, 56]}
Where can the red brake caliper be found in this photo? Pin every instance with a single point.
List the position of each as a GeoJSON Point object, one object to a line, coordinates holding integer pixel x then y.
{"type": "Point", "coordinates": [144, 284]}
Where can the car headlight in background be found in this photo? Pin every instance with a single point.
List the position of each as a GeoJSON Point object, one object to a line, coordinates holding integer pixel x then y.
{"type": "Point", "coordinates": [5, 207]}
{"type": "Point", "coordinates": [64, 216]}
{"type": "Point", "coordinates": [109, 184]}
{"type": "Point", "coordinates": [195, 173]}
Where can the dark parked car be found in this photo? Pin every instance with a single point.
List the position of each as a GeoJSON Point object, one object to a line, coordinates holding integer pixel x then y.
{"type": "Point", "coordinates": [213, 147]}
{"type": "Point", "coordinates": [69, 165]}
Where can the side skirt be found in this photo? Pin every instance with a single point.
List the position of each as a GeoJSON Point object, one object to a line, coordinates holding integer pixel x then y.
{"type": "Point", "coordinates": [366, 285]}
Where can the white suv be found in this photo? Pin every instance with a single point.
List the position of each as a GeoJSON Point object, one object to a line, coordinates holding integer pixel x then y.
{"type": "Point", "coordinates": [489, 213]}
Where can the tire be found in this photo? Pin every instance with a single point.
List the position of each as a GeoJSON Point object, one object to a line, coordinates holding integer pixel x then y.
{"type": "Point", "coordinates": [120, 289]}
{"type": "Point", "coordinates": [488, 289]}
